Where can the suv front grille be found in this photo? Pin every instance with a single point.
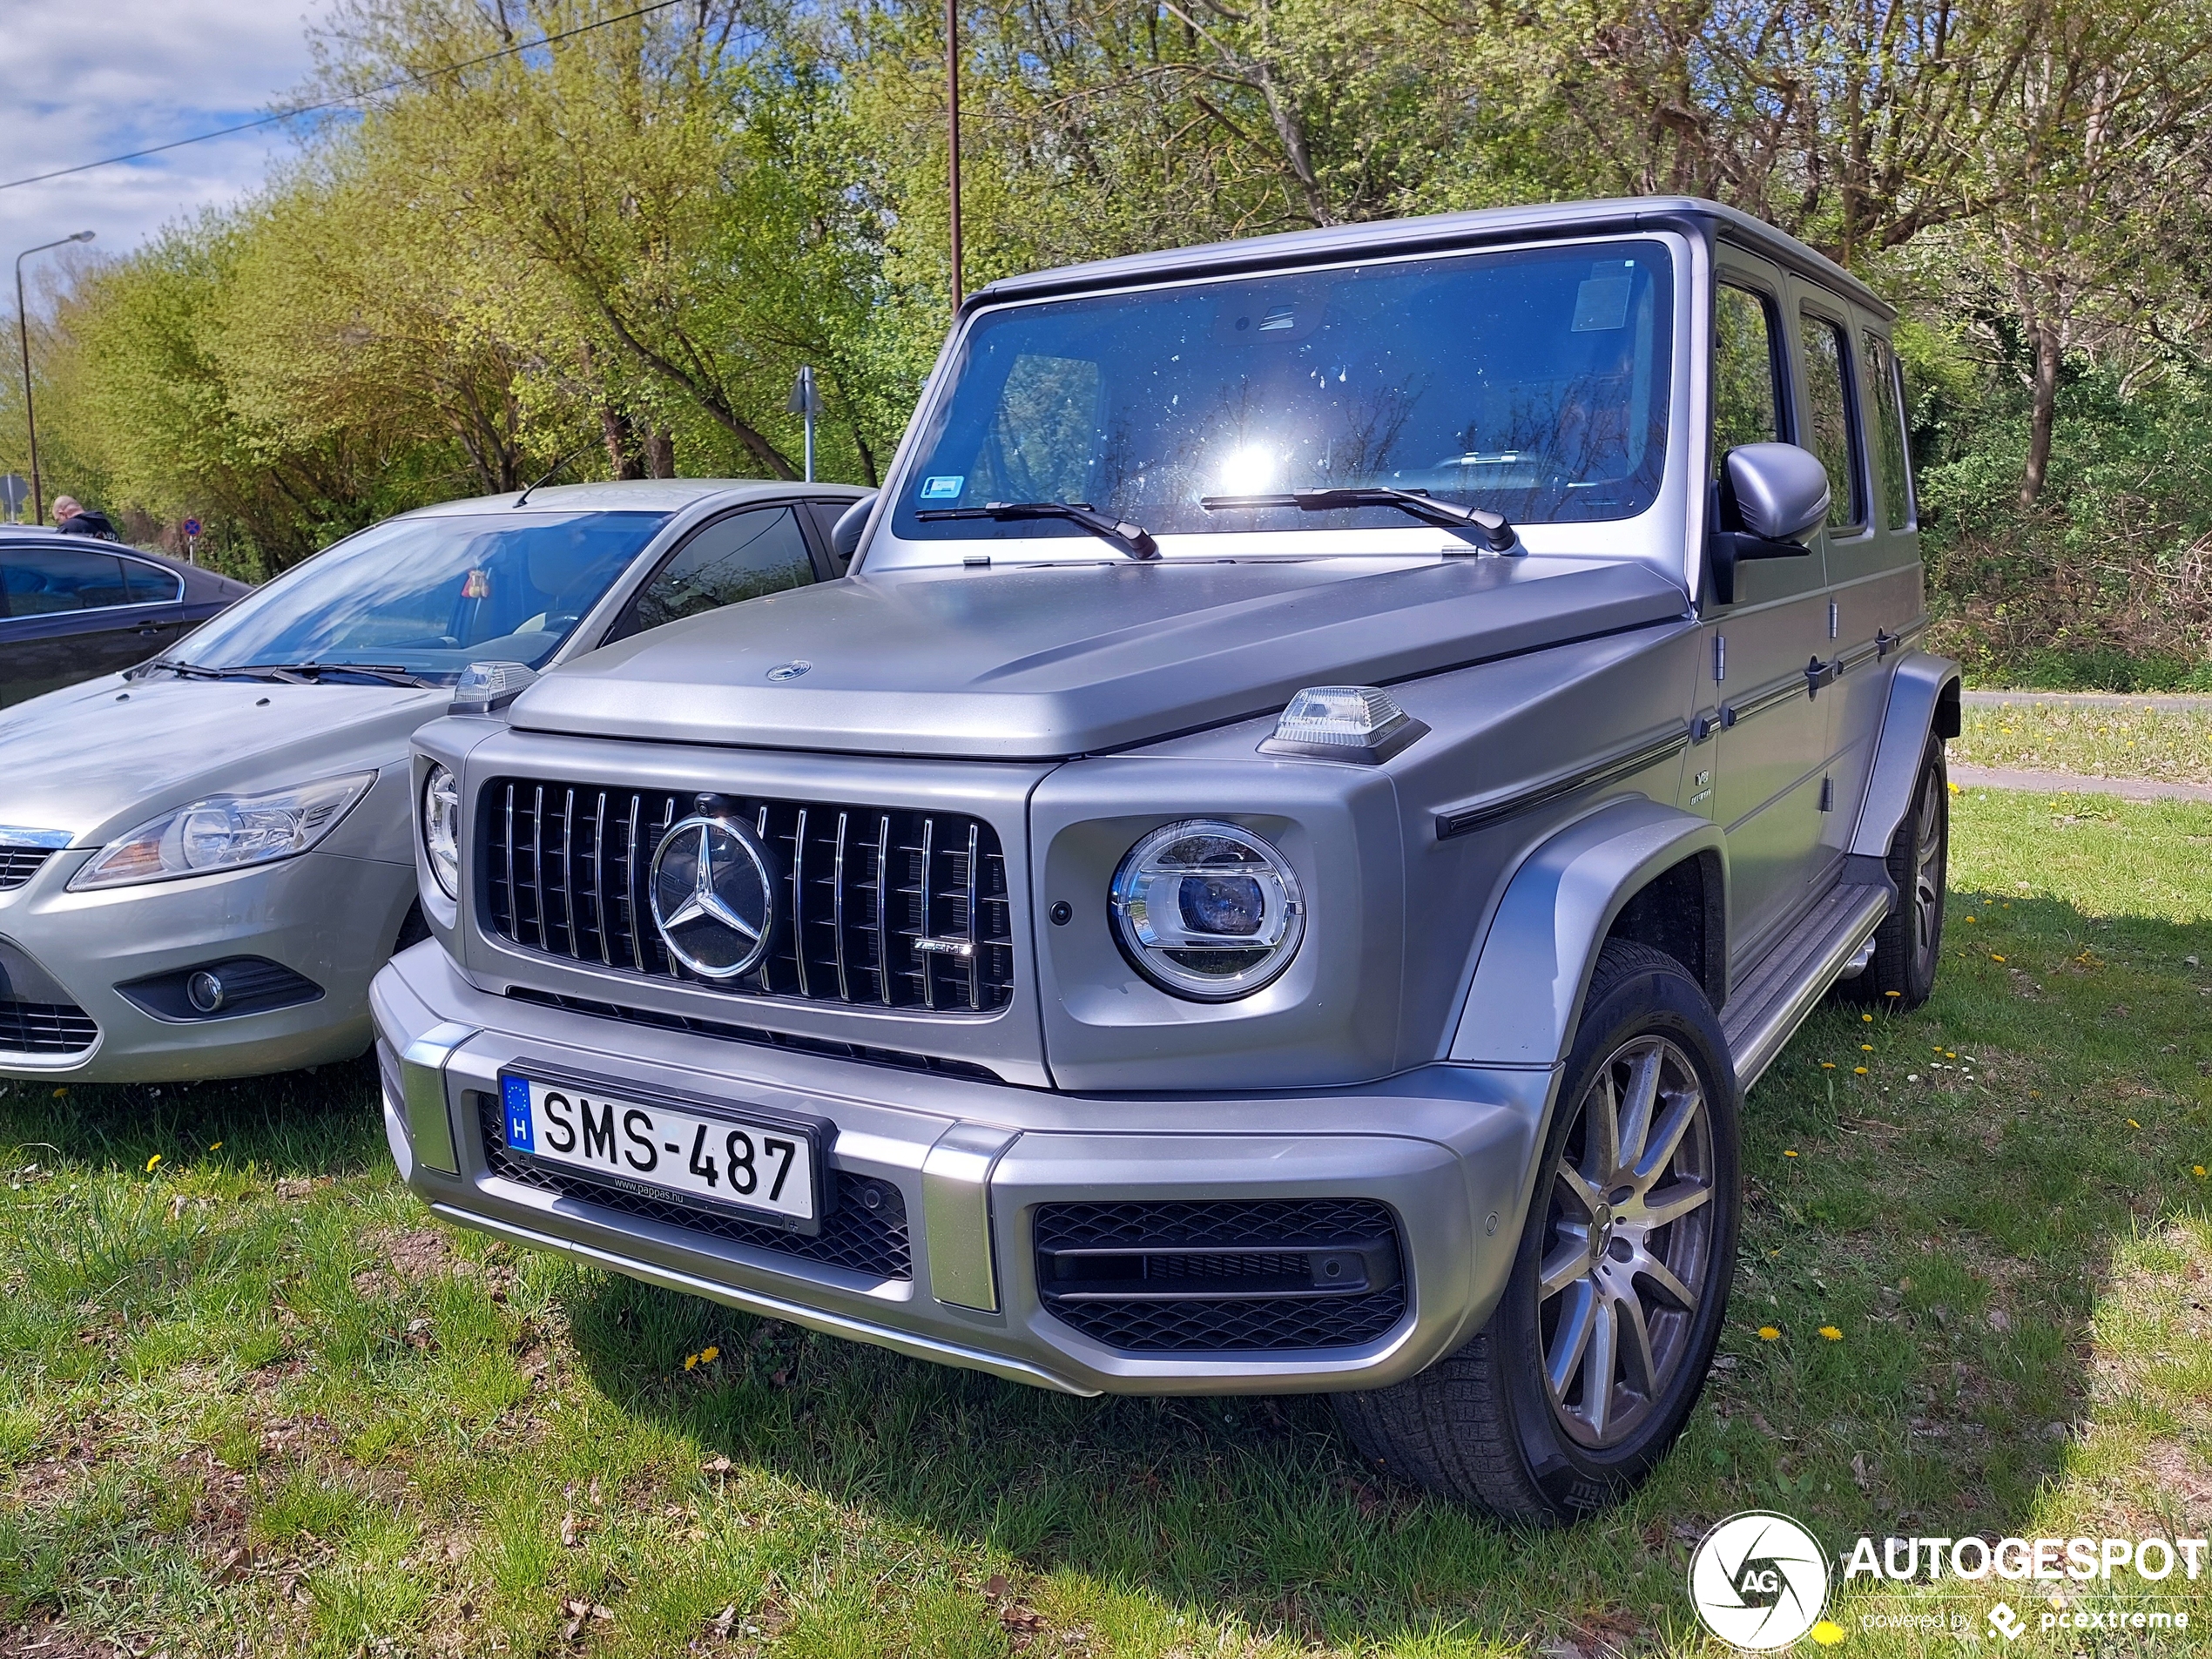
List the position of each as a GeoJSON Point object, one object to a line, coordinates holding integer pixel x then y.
{"type": "Point", "coordinates": [859, 890]}
{"type": "Point", "coordinates": [46, 1028]}
{"type": "Point", "coordinates": [19, 864]}
{"type": "Point", "coordinates": [864, 1233]}
{"type": "Point", "coordinates": [1222, 1276]}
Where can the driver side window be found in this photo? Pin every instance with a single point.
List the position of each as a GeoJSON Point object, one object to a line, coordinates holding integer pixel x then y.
{"type": "Point", "coordinates": [736, 558]}
{"type": "Point", "coordinates": [1746, 401]}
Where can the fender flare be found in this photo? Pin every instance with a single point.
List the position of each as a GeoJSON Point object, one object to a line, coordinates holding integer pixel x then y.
{"type": "Point", "coordinates": [1924, 699]}
{"type": "Point", "coordinates": [1534, 970]}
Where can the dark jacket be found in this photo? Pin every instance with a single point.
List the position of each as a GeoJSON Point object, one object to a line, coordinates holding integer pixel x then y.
{"type": "Point", "coordinates": [89, 521]}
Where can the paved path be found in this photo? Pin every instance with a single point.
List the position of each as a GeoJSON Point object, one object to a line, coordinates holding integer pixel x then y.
{"type": "Point", "coordinates": [2066, 782]}
{"type": "Point", "coordinates": [2173, 701]}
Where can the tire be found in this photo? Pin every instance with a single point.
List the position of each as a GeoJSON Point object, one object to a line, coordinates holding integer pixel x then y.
{"type": "Point", "coordinates": [1485, 1426]}
{"type": "Point", "coordinates": [1908, 945]}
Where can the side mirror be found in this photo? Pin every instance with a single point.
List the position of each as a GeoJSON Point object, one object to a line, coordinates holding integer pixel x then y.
{"type": "Point", "coordinates": [845, 535]}
{"type": "Point", "coordinates": [1779, 491]}
{"type": "Point", "coordinates": [1769, 496]}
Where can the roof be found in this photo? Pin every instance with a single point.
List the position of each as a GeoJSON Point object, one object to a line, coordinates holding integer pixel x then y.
{"type": "Point", "coordinates": [640, 495]}
{"type": "Point", "coordinates": [1442, 232]}
{"type": "Point", "coordinates": [200, 581]}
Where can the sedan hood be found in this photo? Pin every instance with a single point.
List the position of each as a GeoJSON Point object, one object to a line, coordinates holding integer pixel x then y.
{"type": "Point", "coordinates": [99, 758]}
{"type": "Point", "coordinates": [1056, 660]}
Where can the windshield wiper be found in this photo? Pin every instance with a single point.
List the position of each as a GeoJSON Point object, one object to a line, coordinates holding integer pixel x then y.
{"type": "Point", "coordinates": [1133, 539]}
{"type": "Point", "coordinates": [182, 671]}
{"type": "Point", "coordinates": [1494, 531]}
{"type": "Point", "coordinates": [288, 673]}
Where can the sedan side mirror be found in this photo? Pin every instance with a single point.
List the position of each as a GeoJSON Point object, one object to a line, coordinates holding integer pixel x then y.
{"type": "Point", "coordinates": [845, 535]}
{"type": "Point", "coordinates": [1770, 496]}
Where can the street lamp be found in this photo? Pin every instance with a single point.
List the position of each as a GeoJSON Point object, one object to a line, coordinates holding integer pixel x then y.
{"type": "Point", "coordinates": [22, 339]}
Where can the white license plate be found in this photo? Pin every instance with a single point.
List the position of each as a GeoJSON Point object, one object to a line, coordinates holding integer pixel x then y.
{"type": "Point", "coordinates": [728, 1159]}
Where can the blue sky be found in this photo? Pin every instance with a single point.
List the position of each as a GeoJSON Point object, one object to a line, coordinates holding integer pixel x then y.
{"type": "Point", "coordinates": [86, 78]}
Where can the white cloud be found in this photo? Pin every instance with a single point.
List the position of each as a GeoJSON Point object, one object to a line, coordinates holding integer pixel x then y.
{"type": "Point", "coordinates": [88, 79]}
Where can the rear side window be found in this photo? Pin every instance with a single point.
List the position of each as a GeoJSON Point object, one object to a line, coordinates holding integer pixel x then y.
{"type": "Point", "coordinates": [742, 557]}
{"type": "Point", "coordinates": [42, 581]}
{"type": "Point", "coordinates": [148, 586]}
{"type": "Point", "coordinates": [1832, 432]}
{"type": "Point", "coordinates": [1746, 405]}
{"type": "Point", "coordinates": [1885, 393]}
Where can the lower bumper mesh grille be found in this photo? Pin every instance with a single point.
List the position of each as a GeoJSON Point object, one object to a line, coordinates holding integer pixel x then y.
{"type": "Point", "coordinates": [1222, 1276]}
{"type": "Point", "coordinates": [855, 1236]}
{"type": "Point", "coordinates": [46, 1028]}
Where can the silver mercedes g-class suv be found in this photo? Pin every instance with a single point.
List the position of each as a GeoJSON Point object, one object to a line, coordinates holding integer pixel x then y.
{"type": "Point", "coordinates": [1341, 757]}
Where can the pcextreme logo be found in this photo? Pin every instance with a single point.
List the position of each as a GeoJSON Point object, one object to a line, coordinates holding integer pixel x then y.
{"type": "Point", "coordinates": [1760, 1582]}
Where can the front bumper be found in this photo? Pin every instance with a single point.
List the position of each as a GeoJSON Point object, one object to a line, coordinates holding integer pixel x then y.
{"type": "Point", "coordinates": [1447, 1149]}
{"type": "Point", "coordinates": [327, 917]}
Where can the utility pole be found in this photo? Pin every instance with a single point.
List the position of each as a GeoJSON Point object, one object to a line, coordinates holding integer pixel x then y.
{"type": "Point", "coordinates": [952, 114]}
{"type": "Point", "coordinates": [22, 339]}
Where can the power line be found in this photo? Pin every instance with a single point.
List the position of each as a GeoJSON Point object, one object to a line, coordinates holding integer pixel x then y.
{"type": "Point", "coordinates": [351, 97]}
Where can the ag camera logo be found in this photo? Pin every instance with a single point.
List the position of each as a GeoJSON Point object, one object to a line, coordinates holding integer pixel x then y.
{"type": "Point", "coordinates": [1759, 1581]}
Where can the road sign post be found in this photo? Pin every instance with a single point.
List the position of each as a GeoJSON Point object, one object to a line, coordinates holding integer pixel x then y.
{"type": "Point", "coordinates": [806, 399]}
{"type": "Point", "coordinates": [15, 490]}
{"type": "Point", "coordinates": [192, 541]}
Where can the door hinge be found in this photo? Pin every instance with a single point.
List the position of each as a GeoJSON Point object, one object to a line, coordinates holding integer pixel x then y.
{"type": "Point", "coordinates": [1827, 794]}
{"type": "Point", "coordinates": [1719, 657]}
{"type": "Point", "coordinates": [1835, 619]}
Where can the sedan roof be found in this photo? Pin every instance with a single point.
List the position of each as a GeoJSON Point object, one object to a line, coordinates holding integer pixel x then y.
{"type": "Point", "coordinates": [201, 583]}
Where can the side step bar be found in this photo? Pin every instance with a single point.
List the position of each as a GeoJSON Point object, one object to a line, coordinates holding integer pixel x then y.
{"type": "Point", "coordinates": [1765, 1012]}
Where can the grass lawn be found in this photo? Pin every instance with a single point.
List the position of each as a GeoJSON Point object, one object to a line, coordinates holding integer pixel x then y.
{"type": "Point", "coordinates": [253, 1401]}
{"type": "Point", "coordinates": [2173, 744]}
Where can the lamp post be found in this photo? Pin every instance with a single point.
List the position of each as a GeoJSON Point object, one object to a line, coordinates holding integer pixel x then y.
{"type": "Point", "coordinates": [22, 339]}
{"type": "Point", "coordinates": [952, 123]}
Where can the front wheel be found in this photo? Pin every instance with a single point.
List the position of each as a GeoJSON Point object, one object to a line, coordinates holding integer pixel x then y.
{"type": "Point", "coordinates": [1598, 1349]}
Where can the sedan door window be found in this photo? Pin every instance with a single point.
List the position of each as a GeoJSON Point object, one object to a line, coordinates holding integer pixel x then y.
{"type": "Point", "coordinates": [148, 584]}
{"type": "Point", "coordinates": [740, 557]}
{"type": "Point", "coordinates": [42, 581]}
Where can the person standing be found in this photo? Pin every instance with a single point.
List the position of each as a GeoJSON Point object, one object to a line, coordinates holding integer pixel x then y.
{"type": "Point", "coordinates": [72, 518]}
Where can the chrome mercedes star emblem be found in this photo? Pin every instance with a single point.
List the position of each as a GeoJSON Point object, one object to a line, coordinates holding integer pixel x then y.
{"type": "Point", "coordinates": [712, 896]}
{"type": "Point", "coordinates": [790, 670]}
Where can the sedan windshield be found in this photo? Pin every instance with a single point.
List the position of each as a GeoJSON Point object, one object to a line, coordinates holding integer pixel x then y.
{"type": "Point", "coordinates": [1533, 384]}
{"type": "Point", "coordinates": [429, 596]}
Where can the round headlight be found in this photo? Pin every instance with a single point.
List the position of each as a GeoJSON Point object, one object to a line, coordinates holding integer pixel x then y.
{"type": "Point", "coordinates": [441, 828]}
{"type": "Point", "coordinates": [1207, 910]}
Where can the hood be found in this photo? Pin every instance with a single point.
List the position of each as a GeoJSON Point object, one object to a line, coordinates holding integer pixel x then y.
{"type": "Point", "coordinates": [97, 758]}
{"type": "Point", "coordinates": [1048, 660]}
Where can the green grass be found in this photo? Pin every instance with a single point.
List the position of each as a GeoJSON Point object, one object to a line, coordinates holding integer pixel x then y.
{"type": "Point", "coordinates": [253, 1399]}
{"type": "Point", "coordinates": [2095, 742]}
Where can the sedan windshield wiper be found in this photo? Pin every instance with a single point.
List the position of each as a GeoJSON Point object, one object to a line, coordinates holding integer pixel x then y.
{"type": "Point", "coordinates": [287, 673]}
{"type": "Point", "coordinates": [1133, 539]}
{"type": "Point", "coordinates": [1494, 530]}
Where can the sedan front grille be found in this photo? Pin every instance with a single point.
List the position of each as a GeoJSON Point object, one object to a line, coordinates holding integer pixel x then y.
{"type": "Point", "coordinates": [46, 1028]}
{"type": "Point", "coordinates": [19, 864]}
{"type": "Point", "coordinates": [876, 906]}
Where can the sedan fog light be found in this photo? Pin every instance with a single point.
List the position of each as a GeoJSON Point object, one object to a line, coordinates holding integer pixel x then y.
{"type": "Point", "coordinates": [204, 991]}
{"type": "Point", "coordinates": [1207, 910]}
{"type": "Point", "coordinates": [1362, 725]}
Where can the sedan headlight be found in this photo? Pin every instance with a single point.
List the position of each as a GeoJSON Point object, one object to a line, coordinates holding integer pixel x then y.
{"type": "Point", "coordinates": [441, 828]}
{"type": "Point", "coordinates": [225, 831]}
{"type": "Point", "coordinates": [1207, 910]}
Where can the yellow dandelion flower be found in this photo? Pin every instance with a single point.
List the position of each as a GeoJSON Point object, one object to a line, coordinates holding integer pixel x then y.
{"type": "Point", "coordinates": [58, 1093]}
{"type": "Point", "coordinates": [1767, 1333]}
{"type": "Point", "coordinates": [1868, 1018]}
{"type": "Point", "coordinates": [691, 1360]}
{"type": "Point", "coordinates": [1866, 1047]}
{"type": "Point", "coordinates": [710, 1354]}
{"type": "Point", "coordinates": [1788, 1154]}
{"type": "Point", "coordinates": [2036, 1094]}
{"type": "Point", "coordinates": [1970, 919]}
{"type": "Point", "coordinates": [1892, 992]}
{"type": "Point", "coordinates": [214, 1146]}
{"type": "Point", "coordinates": [1994, 957]}
{"type": "Point", "coordinates": [2198, 1169]}
{"type": "Point", "coordinates": [1858, 1071]}
{"type": "Point", "coordinates": [151, 1161]}
{"type": "Point", "coordinates": [1831, 1333]}
{"type": "Point", "coordinates": [1827, 1065]}
{"type": "Point", "coordinates": [2132, 1123]}
{"type": "Point", "coordinates": [1954, 788]}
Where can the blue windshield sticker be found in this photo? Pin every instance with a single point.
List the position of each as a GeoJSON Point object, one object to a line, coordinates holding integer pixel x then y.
{"type": "Point", "coordinates": [944, 489]}
{"type": "Point", "coordinates": [515, 1093]}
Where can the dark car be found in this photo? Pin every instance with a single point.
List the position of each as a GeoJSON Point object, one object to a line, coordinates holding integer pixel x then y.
{"type": "Point", "coordinates": [69, 611]}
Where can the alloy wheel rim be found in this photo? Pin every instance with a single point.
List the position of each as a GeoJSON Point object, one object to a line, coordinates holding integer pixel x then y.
{"type": "Point", "coordinates": [1927, 873]}
{"type": "Point", "coordinates": [1627, 1242]}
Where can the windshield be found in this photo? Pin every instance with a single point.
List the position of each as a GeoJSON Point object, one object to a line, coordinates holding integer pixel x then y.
{"type": "Point", "coordinates": [431, 595]}
{"type": "Point", "coordinates": [1533, 384]}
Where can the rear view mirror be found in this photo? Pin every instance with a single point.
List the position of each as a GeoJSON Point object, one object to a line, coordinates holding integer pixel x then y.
{"type": "Point", "coordinates": [1770, 495]}
{"type": "Point", "coordinates": [845, 535]}
{"type": "Point", "coordinates": [1779, 491]}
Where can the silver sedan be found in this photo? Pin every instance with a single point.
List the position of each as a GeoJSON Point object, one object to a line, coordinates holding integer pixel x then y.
{"type": "Point", "coordinates": [204, 859]}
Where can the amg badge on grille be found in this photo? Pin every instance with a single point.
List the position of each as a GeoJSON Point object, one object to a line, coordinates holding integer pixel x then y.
{"type": "Point", "coordinates": [714, 898]}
